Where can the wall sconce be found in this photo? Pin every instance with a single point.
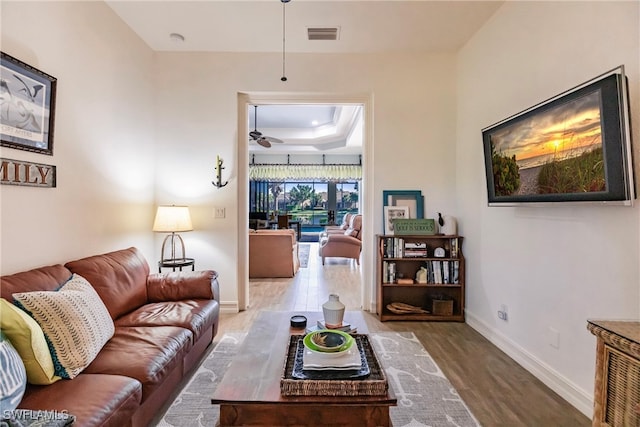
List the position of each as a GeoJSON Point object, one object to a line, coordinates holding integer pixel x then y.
{"type": "Point", "coordinates": [218, 182]}
{"type": "Point", "coordinates": [172, 219]}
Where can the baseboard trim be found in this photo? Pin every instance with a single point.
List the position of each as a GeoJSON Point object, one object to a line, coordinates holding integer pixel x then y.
{"type": "Point", "coordinates": [573, 394]}
{"type": "Point", "coordinates": [229, 307]}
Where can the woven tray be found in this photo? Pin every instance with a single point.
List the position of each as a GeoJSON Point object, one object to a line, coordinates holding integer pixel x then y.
{"type": "Point", "coordinates": [374, 385]}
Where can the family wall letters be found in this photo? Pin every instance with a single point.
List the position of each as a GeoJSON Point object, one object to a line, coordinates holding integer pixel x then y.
{"type": "Point", "coordinates": [19, 172]}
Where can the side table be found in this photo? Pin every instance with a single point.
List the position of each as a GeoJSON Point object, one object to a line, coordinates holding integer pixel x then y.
{"type": "Point", "coordinates": [616, 400]}
{"type": "Point", "coordinates": [176, 263]}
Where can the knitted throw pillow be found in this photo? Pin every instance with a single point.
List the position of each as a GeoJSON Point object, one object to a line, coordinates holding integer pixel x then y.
{"type": "Point", "coordinates": [75, 323]}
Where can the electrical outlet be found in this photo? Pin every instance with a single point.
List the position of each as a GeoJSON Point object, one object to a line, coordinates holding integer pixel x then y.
{"type": "Point", "coordinates": [218, 212]}
{"type": "Point", "coordinates": [502, 313]}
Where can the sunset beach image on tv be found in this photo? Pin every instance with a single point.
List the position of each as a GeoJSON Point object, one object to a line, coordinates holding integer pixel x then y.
{"type": "Point", "coordinates": [555, 151]}
{"type": "Point", "coordinates": [575, 147]}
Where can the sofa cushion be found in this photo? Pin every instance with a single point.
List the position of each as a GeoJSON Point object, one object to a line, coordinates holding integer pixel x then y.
{"type": "Point", "coordinates": [13, 377]}
{"type": "Point", "coordinates": [148, 354]}
{"type": "Point", "coordinates": [119, 278]}
{"type": "Point", "coordinates": [27, 337]}
{"type": "Point", "coordinates": [195, 315]}
{"type": "Point", "coordinates": [346, 219]}
{"type": "Point", "coordinates": [181, 285]}
{"type": "Point", "coordinates": [75, 323]}
{"type": "Point", "coordinates": [95, 400]}
{"type": "Point", "coordinates": [355, 225]}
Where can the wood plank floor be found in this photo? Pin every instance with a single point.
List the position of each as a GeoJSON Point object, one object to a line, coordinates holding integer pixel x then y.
{"type": "Point", "coordinates": [497, 390]}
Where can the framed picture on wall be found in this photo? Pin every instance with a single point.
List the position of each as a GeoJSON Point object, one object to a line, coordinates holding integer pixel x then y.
{"type": "Point", "coordinates": [391, 213]}
{"type": "Point", "coordinates": [412, 199]}
{"type": "Point", "coordinates": [27, 106]}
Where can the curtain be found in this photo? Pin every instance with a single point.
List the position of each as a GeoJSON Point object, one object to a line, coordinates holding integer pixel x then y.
{"type": "Point", "coordinates": [326, 172]}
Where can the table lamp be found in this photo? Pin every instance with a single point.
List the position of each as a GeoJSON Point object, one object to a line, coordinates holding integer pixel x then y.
{"type": "Point", "coordinates": [172, 219]}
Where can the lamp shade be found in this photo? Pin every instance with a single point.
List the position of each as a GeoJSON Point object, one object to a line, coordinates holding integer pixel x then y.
{"type": "Point", "coordinates": [170, 219]}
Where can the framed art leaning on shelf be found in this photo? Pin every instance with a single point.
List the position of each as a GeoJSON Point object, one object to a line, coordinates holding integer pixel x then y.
{"type": "Point", "coordinates": [391, 213]}
{"type": "Point", "coordinates": [413, 199]}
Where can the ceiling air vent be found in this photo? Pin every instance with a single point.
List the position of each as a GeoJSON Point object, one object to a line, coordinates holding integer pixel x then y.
{"type": "Point", "coordinates": [325, 33]}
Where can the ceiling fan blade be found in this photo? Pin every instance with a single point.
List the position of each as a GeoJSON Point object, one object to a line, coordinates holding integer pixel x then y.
{"type": "Point", "coordinates": [272, 139]}
{"type": "Point", "coordinates": [263, 141]}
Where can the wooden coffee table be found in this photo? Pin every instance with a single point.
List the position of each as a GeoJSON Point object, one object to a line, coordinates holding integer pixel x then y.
{"type": "Point", "coordinates": [249, 393]}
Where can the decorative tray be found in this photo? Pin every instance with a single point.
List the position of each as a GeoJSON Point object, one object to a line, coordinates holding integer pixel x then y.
{"type": "Point", "coordinates": [298, 382]}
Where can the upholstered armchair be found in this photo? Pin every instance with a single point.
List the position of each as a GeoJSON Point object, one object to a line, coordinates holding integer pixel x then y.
{"type": "Point", "coordinates": [344, 243]}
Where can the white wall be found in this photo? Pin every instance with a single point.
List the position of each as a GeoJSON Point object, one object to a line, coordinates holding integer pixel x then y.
{"type": "Point", "coordinates": [414, 132]}
{"type": "Point", "coordinates": [554, 267]}
{"type": "Point", "coordinates": [103, 140]}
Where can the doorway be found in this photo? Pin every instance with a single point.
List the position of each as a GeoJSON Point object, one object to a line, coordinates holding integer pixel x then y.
{"type": "Point", "coordinates": [245, 100]}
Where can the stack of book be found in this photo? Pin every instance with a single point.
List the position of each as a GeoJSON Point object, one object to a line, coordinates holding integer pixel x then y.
{"type": "Point", "coordinates": [415, 250]}
{"type": "Point", "coordinates": [346, 327]}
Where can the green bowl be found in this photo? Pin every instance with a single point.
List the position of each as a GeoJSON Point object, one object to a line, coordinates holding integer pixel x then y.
{"type": "Point", "coordinates": [328, 341]}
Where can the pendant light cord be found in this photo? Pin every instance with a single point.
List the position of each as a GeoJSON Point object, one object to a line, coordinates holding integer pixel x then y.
{"type": "Point", "coordinates": [284, 76]}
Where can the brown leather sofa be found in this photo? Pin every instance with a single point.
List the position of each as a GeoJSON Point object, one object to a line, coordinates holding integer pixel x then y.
{"type": "Point", "coordinates": [164, 324]}
{"type": "Point", "coordinates": [273, 253]}
{"type": "Point", "coordinates": [344, 243]}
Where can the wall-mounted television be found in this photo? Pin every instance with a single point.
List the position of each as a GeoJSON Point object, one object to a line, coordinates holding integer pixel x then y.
{"type": "Point", "coordinates": [572, 148]}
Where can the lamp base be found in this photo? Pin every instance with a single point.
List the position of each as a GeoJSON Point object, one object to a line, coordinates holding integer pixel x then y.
{"type": "Point", "coordinates": [172, 238]}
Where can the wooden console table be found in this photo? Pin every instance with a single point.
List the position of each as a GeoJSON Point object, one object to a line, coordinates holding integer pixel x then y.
{"type": "Point", "coordinates": [616, 400]}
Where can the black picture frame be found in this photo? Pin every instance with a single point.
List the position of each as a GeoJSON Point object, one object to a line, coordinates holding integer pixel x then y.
{"type": "Point", "coordinates": [27, 106]}
{"type": "Point", "coordinates": [572, 148]}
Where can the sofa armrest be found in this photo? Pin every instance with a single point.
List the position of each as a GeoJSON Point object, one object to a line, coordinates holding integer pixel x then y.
{"type": "Point", "coordinates": [180, 285]}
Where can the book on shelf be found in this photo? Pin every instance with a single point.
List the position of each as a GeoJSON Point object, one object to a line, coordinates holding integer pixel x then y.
{"type": "Point", "coordinates": [393, 247]}
{"type": "Point", "coordinates": [445, 272]}
{"type": "Point", "coordinates": [454, 247]}
{"type": "Point", "coordinates": [415, 245]}
{"type": "Point", "coordinates": [415, 253]}
{"type": "Point", "coordinates": [389, 272]}
{"type": "Point", "coordinates": [456, 272]}
{"type": "Point", "coordinates": [415, 250]}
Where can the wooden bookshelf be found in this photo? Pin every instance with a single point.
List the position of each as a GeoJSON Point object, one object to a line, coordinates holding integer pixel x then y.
{"type": "Point", "coordinates": [441, 293]}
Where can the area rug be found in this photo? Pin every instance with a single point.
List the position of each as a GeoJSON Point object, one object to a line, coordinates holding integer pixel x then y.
{"type": "Point", "coordinates": [425, 397]}
{"type": "Point", "coordinates": [303, 254]}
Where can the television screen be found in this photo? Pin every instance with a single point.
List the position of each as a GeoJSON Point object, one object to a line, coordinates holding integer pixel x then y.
{"type": "Point", "coordinates": [574, 147]}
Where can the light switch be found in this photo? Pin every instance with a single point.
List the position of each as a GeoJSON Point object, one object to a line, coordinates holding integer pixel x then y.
{"type": "Point", "coordinates": [219, 213]}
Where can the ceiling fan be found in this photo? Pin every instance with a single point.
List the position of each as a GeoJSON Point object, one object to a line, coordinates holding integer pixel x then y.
{"type": "Point", "coordinates": [257, 136]}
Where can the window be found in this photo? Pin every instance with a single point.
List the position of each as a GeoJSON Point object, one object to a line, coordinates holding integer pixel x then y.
{"type": "Point", "coordinates": [308, 201]}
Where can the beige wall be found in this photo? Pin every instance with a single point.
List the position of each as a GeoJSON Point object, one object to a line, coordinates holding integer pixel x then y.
{"type": "Point", "coordinates": [554, 267]}
{"type": "Point", "coordinates": [103, 144]}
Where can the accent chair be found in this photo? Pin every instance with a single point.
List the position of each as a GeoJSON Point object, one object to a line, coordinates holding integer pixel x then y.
{"type": "Point", "coordinates": [343, 243]}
